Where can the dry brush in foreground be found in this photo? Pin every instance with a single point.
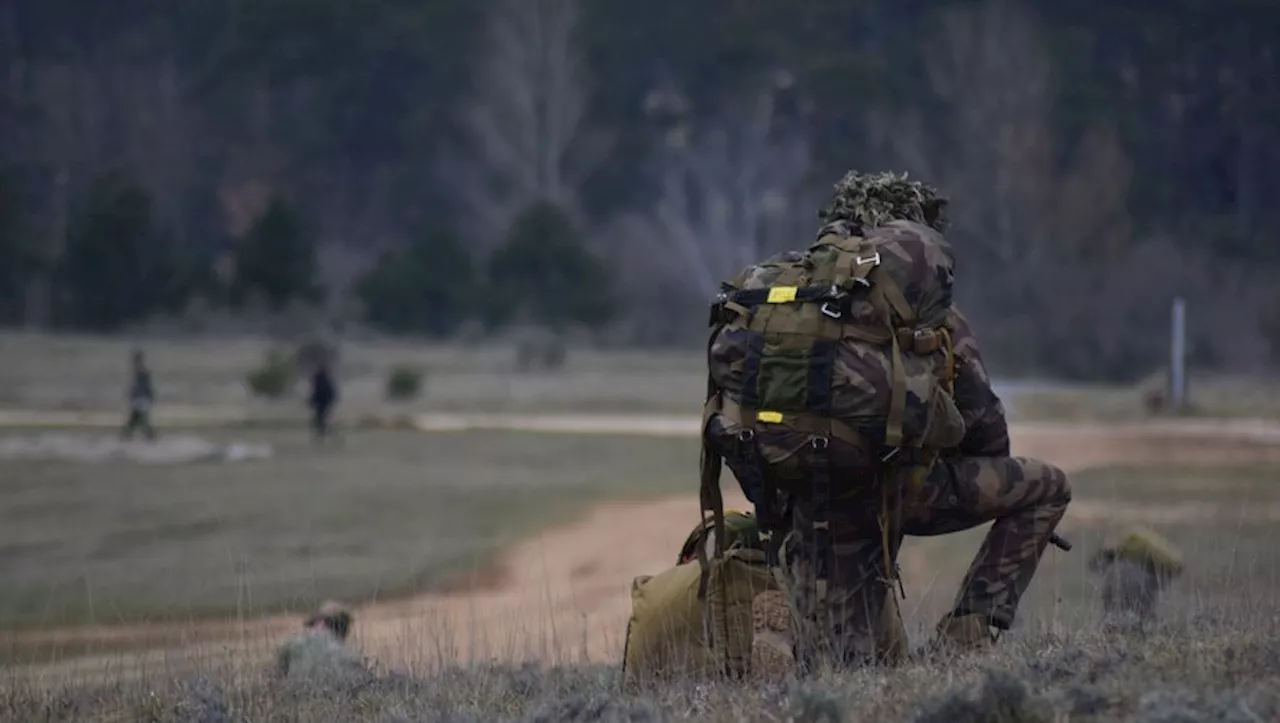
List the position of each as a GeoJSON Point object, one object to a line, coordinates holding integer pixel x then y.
{"type": "Point", "coordinates": [1217, 665]}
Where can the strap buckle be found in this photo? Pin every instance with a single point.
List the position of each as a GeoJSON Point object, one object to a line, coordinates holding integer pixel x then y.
{"type": "Point", "coordinates": [873, 259]}
{"type": "Point", "coordinates": [746, 436]}
{"type": "Point", "coordinates": [820, 443]}
{"type": "Point", "coordinates": [891, 454]}
{"type": "Point", "coordinates": [831, 310]}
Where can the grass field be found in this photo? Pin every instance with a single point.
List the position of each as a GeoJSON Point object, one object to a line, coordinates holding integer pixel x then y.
{"type": "Point", "coordinates": [1214, 655]}
{"type": "Point", "coordinates": [386, 512]}
{"type": "Point", "coordinates": [84, 373]}
{"type": "Point", "coordinates": [1226, 522]}
{"type": "Point", "coordinates": [47, 372]}
{"type": "Point", "coordinates": [396, 511]}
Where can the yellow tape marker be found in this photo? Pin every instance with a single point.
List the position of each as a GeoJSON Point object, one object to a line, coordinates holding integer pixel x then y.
{"type": "Point", "coordinates": [782, 294]}
{"type": "Point", "coordinates": [769, 417]}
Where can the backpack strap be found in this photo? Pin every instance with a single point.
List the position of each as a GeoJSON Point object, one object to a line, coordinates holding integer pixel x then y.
{"type": "Point", "coordinates": [823, 553]}
{"type": "Point", "coordinates": [710, 463]}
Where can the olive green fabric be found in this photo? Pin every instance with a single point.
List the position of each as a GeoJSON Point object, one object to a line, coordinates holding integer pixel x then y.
{"type": "Point", "coordinates": [740, 531]}
{"type": "Point", "coordinates": [672, 633]}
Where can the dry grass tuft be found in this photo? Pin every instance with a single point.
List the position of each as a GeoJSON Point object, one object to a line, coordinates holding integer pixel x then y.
{"type": "Point", "coordinates": [1206, 671]}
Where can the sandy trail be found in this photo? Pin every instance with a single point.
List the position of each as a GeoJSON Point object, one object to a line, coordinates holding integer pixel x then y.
{"type": "Point", "coordinates": [563, 595]}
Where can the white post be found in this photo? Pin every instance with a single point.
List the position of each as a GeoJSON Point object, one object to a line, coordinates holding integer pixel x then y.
{"type": "Point", "coordinates": [1178, 355]}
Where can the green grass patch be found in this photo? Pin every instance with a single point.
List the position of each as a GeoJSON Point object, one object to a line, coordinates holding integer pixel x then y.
{"type": "Point", "coordinates": [385, 513]}
{"type": "Point", "coordinates": [1224, 520]}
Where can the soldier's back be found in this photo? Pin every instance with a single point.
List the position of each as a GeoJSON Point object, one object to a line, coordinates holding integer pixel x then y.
{"type": "Point", "coordinates": [318, 657]}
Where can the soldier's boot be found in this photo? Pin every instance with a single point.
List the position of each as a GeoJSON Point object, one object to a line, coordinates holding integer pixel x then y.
{"type": "Point", "coordinates": [959, 634]}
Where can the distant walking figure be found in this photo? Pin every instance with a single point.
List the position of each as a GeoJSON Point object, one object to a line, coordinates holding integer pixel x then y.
{"type": "Point", "coordinates": [141, 399]}
{"type": "Point", "coordinates": [324, 394]}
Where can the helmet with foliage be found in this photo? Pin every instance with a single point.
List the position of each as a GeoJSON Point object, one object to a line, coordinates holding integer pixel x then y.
{"type": "Point", "coordinates": [870, 201]}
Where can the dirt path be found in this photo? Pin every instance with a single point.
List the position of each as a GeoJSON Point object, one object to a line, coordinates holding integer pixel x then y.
{"type": "Point", "coordinates": [563, 595]}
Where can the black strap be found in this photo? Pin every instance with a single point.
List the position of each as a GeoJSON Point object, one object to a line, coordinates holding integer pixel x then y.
{"type": "Point", "coordinates": [804, 294]}
{"type": "Point", "coordinates": [821, 480]}
{"type": "Point", "coordinates": [752, 473]}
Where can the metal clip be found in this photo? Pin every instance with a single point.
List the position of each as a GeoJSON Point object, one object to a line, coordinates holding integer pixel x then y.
{"type": "Point", "coordinates": [830, 309]}
{"type": "Point", "coordinates": [820, 443]}
{"type": "Point", "coordinates": [890, 454]}
{"type": "Point", "coordinates": [746, 435]}
{"type": "Point", "coordinates": [874, 260]}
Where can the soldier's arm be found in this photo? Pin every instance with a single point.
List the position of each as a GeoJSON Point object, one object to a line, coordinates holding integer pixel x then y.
{"type": "Point", "coordinates": [987, 430]}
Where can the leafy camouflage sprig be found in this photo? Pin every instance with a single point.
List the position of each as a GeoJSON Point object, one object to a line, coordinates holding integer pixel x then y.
{"type": "Point", "coordinates": [874, 200]}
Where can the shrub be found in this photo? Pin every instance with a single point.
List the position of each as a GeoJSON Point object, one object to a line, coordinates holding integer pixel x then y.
{"type": "Point", "coordinates": [404, 383]}
{"type": "Point", "coordinates": [273, 378]}
{"type": "Point", "coordinates": [541, 354]}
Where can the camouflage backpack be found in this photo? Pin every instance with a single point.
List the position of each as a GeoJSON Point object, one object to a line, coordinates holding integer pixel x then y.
{"type": "Point", "coordinates": [831, 366]}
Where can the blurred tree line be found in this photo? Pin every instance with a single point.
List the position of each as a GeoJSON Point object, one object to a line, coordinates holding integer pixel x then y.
{"type": "Point", "coordinates": [603, 164]}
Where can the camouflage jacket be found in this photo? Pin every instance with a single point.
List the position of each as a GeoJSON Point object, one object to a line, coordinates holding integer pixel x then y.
{"type": "Point", "coordinates": [987, 431]}
{"type": "Point", "coordinates": [318, 656]}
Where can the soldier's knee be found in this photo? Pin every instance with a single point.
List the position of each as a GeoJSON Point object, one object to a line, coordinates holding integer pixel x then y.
{"type": "Point", "coordinates": [1061, 485]}
{"type": "Point", "coordinates": [1053, 482]}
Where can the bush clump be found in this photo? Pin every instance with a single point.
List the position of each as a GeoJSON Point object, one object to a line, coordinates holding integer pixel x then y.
{"type": "Point", "coordinates": [541, 353]}
{"type": "Point", "coordinates": [405, 383]}
{"type": "Point", "coordinates": [273, 378]}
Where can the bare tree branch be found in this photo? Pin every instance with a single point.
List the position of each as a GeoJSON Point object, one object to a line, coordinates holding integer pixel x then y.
{"type": "Point", "coordinates": [994, 151]}
{"type": "Point", "coordinates": [717, 190]}
{"type": "Point", "coordinates": [526, 122]}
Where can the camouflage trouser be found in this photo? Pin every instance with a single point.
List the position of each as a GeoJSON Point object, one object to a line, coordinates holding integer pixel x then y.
{"type": "Point", "coordinates": [1026, 499]}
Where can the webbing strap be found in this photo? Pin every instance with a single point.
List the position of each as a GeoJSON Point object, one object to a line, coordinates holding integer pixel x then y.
{"type": "Point", "coordinates": [761, 492]}
{"type": "Point", "coordinates": [821, 481]}
{"type": "Point", "coordinates": [897, 398]}
{"type": "Point", "coordinates": [886, 479]}
{"type": "Point", "coordinates": [710, 465]}
{"type": "Point", "coordinates": [866, 260]}
{"type": "Point", "coordinates": [784, 295]}
{"type": "Point", "coordinates": [896, 301]}
{"type": "Point", "coordinates": [949, 383]}
{"type": "Point", "coordinates": [753, 484]}
{"type": "Point", "coordinates": [809, 423]}
{"type": "Point", "coordinates": [713, 503]}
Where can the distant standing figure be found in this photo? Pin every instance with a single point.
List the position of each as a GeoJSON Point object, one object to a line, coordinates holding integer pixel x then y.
{"type": "Point", "coordinates": [324, 394]}
{"type": "Point", "coordinates": [141, 399]}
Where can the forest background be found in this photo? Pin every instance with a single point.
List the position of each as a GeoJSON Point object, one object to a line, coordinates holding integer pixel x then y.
{"type": "Point", "coordinates": [462, 168]}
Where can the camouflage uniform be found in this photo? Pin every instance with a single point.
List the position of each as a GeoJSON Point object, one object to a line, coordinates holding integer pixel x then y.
{"type": "Point", "coordinates": [319, 654]}
{"type": "Point", "coordinates": [1134, 573]}
{"type": "Point", "coordinates": [973, 484]}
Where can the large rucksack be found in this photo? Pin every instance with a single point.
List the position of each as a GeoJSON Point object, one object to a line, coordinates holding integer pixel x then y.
{"type": "Point", "coordinates": [831, 369]}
